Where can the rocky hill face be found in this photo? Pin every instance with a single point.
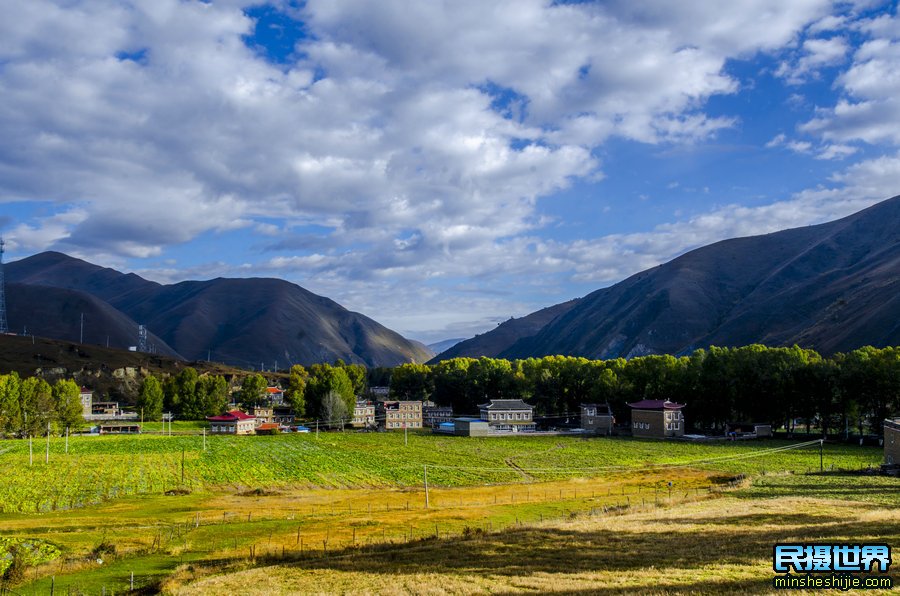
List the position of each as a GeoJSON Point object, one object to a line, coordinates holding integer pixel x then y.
{"type": "Point", "coordinates": [830, 287]}
{"type": "Point", "coordinates": [246, 322]}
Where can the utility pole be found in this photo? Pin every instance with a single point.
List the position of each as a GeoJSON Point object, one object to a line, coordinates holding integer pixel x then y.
{"type": "Point", "coordinates": [405, 436]}
{"type": "Point", "coordinates": [47, 456]}
{"type": "Point", "coordinates": [821, 460]}
{"type": "Point", "coordinates": [426, 486]}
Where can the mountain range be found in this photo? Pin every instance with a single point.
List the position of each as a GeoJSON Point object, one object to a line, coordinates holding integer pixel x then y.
{"type": "Point", "coordinates": [830, 287]}
{"type": "Point", "coordinates": [246, 322]}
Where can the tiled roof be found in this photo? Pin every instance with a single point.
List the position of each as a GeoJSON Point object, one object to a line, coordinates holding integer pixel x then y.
{"type": "Point", "coordinates": [506, 404]}
{"type": "Point", "coordinates": [232, 416]}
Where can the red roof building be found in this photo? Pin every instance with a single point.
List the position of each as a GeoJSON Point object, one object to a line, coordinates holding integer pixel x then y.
{"type": "Point", "coordinates": [234, 422]}
{"type": "Point", "coordinates": [267, 428]}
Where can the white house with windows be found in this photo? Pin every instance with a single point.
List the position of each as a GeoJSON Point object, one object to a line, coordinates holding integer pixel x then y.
{"type": "Point", "coordinates": [508, 415]}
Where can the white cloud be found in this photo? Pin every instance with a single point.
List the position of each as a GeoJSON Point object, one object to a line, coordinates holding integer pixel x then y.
{"type": "Point", "coordinates": [870, 110]}
{"type": "Point", "coordinates": [816, 53]}
{"type": "Point", "coordinates": [417, 137]}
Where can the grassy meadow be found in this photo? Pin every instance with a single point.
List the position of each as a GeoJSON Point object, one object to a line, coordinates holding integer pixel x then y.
{"type": "Point", "coordinates": [297, 508]}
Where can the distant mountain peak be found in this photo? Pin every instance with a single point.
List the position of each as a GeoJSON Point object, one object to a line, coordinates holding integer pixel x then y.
{"type": "Point", "coordinates": [241, 321]}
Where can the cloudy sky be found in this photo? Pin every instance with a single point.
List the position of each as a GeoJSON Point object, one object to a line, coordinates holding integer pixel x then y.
{"type": "Point", "coordinates": [438, 166]}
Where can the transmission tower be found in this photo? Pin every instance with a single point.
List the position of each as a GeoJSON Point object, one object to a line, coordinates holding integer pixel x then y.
{"type": "Point", "coordinates": [142, 338]}
{"type": "Point", "coordinates": [4, 328]}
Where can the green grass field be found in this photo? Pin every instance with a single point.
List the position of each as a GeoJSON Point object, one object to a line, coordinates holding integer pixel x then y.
{"type": "Point", "coordinates": [297, 498]}
{"type": "Point", "coordinates": [100, 468]}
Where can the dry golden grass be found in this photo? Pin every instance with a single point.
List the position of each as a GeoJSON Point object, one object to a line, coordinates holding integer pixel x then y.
{"type": "Point", "coordinates": [721, 545]}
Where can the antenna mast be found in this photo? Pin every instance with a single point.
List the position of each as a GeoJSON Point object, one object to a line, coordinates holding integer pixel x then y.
{"type": "Point", "coordinates": [4, 328]}
{"type": "Point", "coordinates": [142, 338]}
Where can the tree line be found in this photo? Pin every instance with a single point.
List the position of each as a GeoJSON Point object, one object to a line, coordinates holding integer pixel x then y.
{"type": "Point", "coordinates": [33, 407]}
{"type": "Point", "coordinates": [322, 391]}
{"type": "Point", "coordinates": [848, 391]}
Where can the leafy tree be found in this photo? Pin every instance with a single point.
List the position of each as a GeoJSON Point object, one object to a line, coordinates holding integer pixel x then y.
{"type": "Point", "coordinates": [334, 409]}
{"type": "Point", "coordinates": [412, 381]}
{"type": "Point", "coordinates": [150, 398]}
{"type": "Point", "coordinates": [296, 390]}
{"type": "Point", "coordinates": [253, 388]}
{"type": "Point", "coordinates": [67, 402]}
{"type": "Point", "coordinates": [451, 384]}
{"type": "Point", "coordinates": [190, 403]}
{"type": "Point", "coordinates": [10, 407]}
{"type": "Point", "coordinates": [212, 392]}
{"type": "Point", "coordinates": [358, 377]}
{"type": "Point", "coordinates": [324, 379]}
{"type": "Point", "coordinates": [36, 402]}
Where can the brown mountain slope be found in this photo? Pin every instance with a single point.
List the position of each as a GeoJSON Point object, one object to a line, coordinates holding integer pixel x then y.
{"type": "Point", "coordinates": [831, 287]}
{"type": "Point", "coordinates": [46, 311]}
{"type": "Point", "coordinates": [505, 334]}
{"type": "Point", "coordinates": [245, 322]}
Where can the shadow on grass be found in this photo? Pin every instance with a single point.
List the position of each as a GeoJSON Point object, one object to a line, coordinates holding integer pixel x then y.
{"type": "Point", "coordinates": [525, 551]}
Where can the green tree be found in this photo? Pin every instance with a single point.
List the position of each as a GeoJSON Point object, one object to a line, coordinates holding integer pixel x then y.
{"type": "Point", "coordinates": [212, 392]}
{"type": "Point", "coordinates": [150, 398]}
{"type": "Point", "coordinates": [189, 401]}
{"type": "Point", "coordinates": [36, 402]}
{"type": "Point", "coordinates": [296, 390]}
{"type": "Point", "coordinates": [412, 381]}
{"type": "Point", "coordinates": [67, 401]}
{"type": "Point", "coordinates": [451, 384]}
{"type": "Point", "coordinates": [253, 388]}
{"type": "Point", "coordinates": [10, 407]}
{"type": "Point", "coordinates": [334, 409]}
{"type": "Point", "coordinates": [324, 378]}
{"type": "Point", "coordinates": [358, 377]}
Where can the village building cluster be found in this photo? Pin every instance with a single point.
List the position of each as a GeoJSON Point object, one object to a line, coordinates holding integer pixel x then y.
{"type": "Point", "coordinates": [376, 412]}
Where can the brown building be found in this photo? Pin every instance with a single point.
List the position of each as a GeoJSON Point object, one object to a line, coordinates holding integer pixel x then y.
{"type": "Point", "coordinates": [892, 442]}
{"type": "Point", "coordinates": [597, 418]}
{"type": "Point", "coordinates": [263, 414]}
{"type": "Point", "coordinates": [656, 418]}
{"type": "Point", "coordinates": [508, 415]}
{"type": "Point", "coordinates": [363, 414]}
{"type": "Point", "coordinates": [394, 415]}
{"type": "Point", "coordinates": [283, 415]}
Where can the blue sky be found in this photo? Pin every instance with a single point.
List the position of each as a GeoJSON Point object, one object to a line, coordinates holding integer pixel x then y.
{"type": "Point", "coordinates": [439, 167]}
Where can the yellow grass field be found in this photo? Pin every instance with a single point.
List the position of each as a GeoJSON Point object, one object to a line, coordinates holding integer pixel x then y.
{"type": "Point", "coordinates": [717, 545]}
